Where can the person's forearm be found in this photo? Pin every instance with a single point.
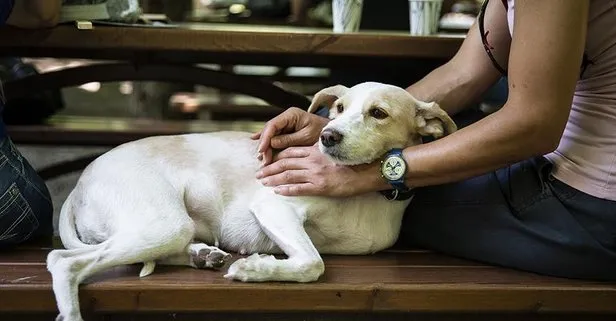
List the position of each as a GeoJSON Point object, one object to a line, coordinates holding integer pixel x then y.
{"type": "Point", "coordinates": [499, 139]}
{"type": "Point", "coordinates": [496, 141]}
{"type": "Point", "coordinates": [35, 13]}
{"type": "Point", "coordinates": [532, 121]}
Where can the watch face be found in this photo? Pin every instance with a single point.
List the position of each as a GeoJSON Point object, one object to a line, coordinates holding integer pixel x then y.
{"type": "Point", "coordinates": [393, 168]}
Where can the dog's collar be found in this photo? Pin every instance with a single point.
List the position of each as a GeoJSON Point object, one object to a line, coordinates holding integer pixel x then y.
{"type": "Point", "coordinates": [398, 195]}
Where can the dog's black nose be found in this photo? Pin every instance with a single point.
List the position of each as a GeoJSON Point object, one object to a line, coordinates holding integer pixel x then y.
{"type": "Point", "coordinates": [330, 137]}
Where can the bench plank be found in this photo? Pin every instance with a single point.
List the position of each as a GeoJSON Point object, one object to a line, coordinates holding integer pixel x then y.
{"type": "Point", "coordinates": [394, 281]}
{"type": "Point", "coordinates": [318, 316]}
{"type": "Point", "coordinates": [98, 131]}
{"type": "Point", "coordinates": [387, 258]}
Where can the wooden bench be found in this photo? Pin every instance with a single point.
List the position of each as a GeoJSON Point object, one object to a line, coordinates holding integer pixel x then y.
{"type": "Point", "coordinates": [394, 284]}
{"type": "Point", "coordinates": [397, 284]}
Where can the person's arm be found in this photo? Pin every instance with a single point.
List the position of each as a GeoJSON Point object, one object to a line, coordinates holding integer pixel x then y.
{"type": "Point", "coordinates": [546, 52]}
{"type": "Point", "coordinates": [35, 13]}
{"type": "Point", "coordinates": [462, 80]}
{"type": "Point", "coordinates": [454, 85]}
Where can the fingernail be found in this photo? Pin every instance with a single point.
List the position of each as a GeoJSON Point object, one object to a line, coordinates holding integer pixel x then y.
{"type": "Point", "coordinates": [265, 181]}
{"type": "Point", "coordinates": [259, 174]}
{"type": "Point", "coordinates": [260, 156]}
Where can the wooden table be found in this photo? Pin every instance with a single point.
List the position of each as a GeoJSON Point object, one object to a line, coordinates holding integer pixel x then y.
{"type": "Point", "coordinates": [168, 54]}
{"type": "Point", "coordinates": [218, 43]}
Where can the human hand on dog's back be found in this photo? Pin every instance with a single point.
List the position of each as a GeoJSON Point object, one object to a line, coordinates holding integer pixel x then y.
{"type": "Point", "coordinates": [293, 127]}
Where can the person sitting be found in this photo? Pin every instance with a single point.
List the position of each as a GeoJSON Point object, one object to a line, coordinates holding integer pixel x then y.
{"type": "Point", "coordinates": [26, 209]}
{"type": "Point", "coordinates": [531, 186]}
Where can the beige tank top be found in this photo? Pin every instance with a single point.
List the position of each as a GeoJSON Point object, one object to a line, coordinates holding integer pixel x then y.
{"type": "Point", "coordinates": [586, 156]}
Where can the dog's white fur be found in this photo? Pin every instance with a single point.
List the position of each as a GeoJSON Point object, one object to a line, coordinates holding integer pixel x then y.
{"type": "Point", "coordinates": [175, 200]}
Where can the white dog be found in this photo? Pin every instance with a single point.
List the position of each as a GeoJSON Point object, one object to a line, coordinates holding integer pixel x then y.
{"type": "Point", "coordinates": [179, 200]}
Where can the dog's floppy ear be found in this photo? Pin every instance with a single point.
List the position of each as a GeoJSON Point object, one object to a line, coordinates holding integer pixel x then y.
{"type": "Point", "coordinates": [327, 95]}
{"type": "Point", "coordinates": [433, 121]}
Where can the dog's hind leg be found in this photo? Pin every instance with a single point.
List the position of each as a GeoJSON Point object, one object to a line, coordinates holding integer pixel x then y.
{"type": "Point", "coordinates": [71, 267]}
{"type": "Point", "coordinates": [199, 256]}
{"type": "Point", "coordinates": [283, 224]}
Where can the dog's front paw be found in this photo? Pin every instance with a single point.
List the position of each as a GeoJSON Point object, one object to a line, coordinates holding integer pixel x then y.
{"type": "Point", "coordinates": [255, 268]}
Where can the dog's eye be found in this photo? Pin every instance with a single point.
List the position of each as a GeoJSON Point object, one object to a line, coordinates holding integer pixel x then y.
{"type": "Point", "coordinates": [339, 108]}
{"type": "Point", "coordinates": [378, 113]}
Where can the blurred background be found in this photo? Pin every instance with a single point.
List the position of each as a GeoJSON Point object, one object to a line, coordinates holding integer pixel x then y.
{"type": "Point", "coordinates": [173, 101]}
{"type": "Point", "coordinates": [102, 104]}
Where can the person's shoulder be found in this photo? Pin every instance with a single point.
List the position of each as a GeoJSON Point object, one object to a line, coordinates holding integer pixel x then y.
{"type": "Point", "coordinates": [6, 6]}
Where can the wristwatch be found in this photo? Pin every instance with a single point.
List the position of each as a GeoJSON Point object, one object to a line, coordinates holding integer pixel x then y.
{"type": "Point", "coordinates": [393, 168]}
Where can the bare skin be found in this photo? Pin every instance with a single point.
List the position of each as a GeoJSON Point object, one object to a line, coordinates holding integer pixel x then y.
{"type": "Point", "coordinates": [548, 35]}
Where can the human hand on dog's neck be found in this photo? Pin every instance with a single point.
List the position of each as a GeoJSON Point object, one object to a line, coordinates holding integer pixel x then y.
{"type": "Point", "coordinates": [305, 171]}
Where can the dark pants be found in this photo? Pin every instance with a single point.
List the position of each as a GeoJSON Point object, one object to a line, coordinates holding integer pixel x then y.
{"type": "Point", "coordinates": [519, 217]}
{"type": "Point", "coordinates": [25, 205]}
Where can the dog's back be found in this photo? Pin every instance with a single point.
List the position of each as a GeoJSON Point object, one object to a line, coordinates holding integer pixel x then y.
{"type": "Point", "coordinates": [202, 173]}
{"type": "Point", "coordinates": [212, 176]}
{"type": "Point", "coordinates": [173, 200]}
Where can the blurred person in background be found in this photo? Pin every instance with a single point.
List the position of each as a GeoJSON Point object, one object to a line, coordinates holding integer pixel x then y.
{"type": "Point", "coordinates": [26, 209]}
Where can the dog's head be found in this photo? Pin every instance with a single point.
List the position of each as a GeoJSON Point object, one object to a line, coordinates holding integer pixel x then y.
{"type": "Point", "coordinates": [371, 118]}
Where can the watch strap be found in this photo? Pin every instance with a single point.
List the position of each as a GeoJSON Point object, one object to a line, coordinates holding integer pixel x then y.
{"type": "Point", "coordinates": [398, 194]}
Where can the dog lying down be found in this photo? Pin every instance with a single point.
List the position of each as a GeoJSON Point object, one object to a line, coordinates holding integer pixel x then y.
{"type": "Point", "coordinates": [186, 199]}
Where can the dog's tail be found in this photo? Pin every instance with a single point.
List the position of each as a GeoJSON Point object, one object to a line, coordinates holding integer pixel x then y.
{"type": "Point", "coordinates": [70, 239]}
{"type": "Point", "coordinates": [66, 226]}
